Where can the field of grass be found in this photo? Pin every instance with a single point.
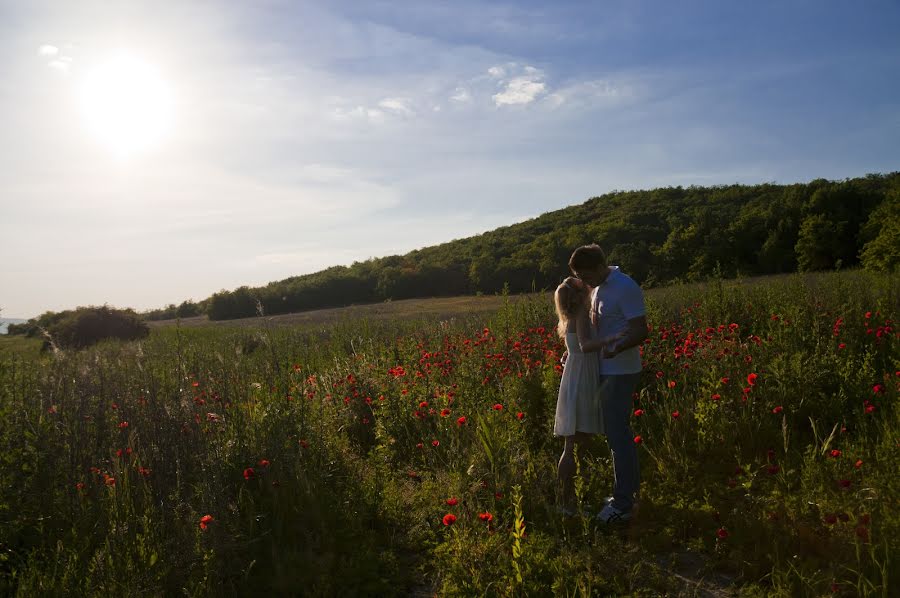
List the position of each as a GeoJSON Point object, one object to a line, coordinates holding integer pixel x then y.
{"type": "Point", "coordinates": [411, 453]}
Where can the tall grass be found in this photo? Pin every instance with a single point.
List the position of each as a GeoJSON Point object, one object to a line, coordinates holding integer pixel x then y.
{"type": "Point", "coordinates": [325, 459]}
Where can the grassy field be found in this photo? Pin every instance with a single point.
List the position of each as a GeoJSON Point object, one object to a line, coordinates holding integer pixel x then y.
{"type": "Point", "coordinates": [408, 451]}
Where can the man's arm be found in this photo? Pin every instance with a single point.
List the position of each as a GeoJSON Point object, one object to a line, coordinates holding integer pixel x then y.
{"type": "Point", "coordinates": [634, 334]}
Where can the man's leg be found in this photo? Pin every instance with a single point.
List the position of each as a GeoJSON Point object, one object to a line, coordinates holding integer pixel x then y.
{"type": "Point", "coordinates": [616, 403]}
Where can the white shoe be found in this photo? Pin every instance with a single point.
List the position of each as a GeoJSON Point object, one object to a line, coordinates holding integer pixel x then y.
{"type": "Point", "coordinates": [611, 515]}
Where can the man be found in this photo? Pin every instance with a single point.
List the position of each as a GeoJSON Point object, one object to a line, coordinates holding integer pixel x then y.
{"type": "Point", "coordinates": [617, 310]}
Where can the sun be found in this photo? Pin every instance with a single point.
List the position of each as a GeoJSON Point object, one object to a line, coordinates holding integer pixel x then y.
{"type": "Point", "coordinates": [127, 105]}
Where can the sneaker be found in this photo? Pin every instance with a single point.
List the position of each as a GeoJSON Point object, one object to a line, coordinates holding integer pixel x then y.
{"type": "Point", "coordinates": [610, 515]}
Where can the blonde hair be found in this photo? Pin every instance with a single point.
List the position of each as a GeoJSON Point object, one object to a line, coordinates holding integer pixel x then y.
{"type": "Point", "coordinates": [569, 295]}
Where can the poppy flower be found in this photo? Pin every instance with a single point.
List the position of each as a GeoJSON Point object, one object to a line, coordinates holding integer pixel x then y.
{"type": "Point", "coordinates": [304, 444]}
{"type": "Point", "coordinates": [486, 517]}
{"type": "Point", "coordinates": [842, 346]}
{"type": "Point", "coordinates": [249, 473]}
{"type": "Point", "coordinates": [777, 410]}
{"type": "Point", "coordinates": [835, 453]}
{"type": "Point", "coordinates": [423, 404]}
{"type": "Point", "coordinates": [638, 412]}
{"type": "Point", "coordinates": [420, 445]}
{"type": "Point", "coordinates": [449, 519]}
{"type": "Point", "coordinates": [858, 464]}
{"type": "Point", "coordinates": [79, 486]}
{"type": "Point", "coordinates": [716, 397]}
{"type": "Point", "coordinates": [676, 415]}
{"type": "Point", "coordinates": [205, 521]}
{"type": "Point", "coordinates": [773, 469]}
{"type": "Point", "coordinates": [445, 412]}
{"type": "Point", "coordinates": [751, 378]}
{"type": "Point", "coordinates": [671, 384]}
{"type": "Point", "coordinates": [461, 421]}
{"type": "Point", "coordinates": [123, 425]}
{"type": "Point", "coordinates": [638, 439]}
{"type": "Point", "coordinates": [498, 495]}
{"type": "Point", "coordinates": [722, 533]}
{"type": "Point", "coordinates": [435, 443]}
{"type": "Point", "coordinates": [520, 415]}
{"type": "Point", "coordinates": [844, 483]}
{"type": "Point", "coordinates": [497, 407]}
{"type": "Point", "coordinates": [452, 501]}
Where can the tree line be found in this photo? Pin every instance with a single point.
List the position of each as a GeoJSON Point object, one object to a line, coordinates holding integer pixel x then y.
{"type": "Point", "coordinates": [657, 236]}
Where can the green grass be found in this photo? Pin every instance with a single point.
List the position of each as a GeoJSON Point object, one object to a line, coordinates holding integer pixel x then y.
{"type": "Point", "coordinates": [351, 472]}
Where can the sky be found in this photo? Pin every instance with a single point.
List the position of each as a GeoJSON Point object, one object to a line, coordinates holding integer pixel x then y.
{"type": "Point", "coordinates": [157, 151]}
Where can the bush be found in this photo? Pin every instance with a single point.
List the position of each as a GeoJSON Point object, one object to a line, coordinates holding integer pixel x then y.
{"type": "Point", "coordinates": [85, 326]}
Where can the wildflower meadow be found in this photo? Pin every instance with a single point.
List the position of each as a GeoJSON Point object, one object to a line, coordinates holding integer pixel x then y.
{"type": "Point", "coordinates": [416, 457]}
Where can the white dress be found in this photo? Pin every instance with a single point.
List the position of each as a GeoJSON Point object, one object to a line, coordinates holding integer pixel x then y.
{"type": "Point", "coordinates": [578, 404]}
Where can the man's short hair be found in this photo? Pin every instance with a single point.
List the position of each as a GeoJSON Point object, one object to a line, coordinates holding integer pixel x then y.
{"type": "Point", "coordinates": [587, 257]}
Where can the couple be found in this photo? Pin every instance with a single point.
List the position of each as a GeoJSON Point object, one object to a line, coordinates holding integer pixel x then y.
{"type": "Point", "coordinates": [603, 321]}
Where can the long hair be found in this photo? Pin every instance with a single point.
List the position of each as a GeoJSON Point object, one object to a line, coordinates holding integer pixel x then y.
{"type": "Point", "coordinates": [570, 294]}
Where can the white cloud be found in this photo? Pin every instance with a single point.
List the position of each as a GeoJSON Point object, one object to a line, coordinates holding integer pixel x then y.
{"type": "Point", "coordinates": [399, 106]}
{"type": "Point", "coordinates": [496, 71]}
{"type": "Point", "coordinates": [48, 50]}
{"type": "Point", "coordinates": [590, 93]}
{"type": "Point", "coordinates": [521, 90]}
{"type": "Point", "coordinates": [461, 94]}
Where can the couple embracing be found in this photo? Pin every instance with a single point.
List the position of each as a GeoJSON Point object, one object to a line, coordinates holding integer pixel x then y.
{"type": "Point", "coordinates": [603, 321]}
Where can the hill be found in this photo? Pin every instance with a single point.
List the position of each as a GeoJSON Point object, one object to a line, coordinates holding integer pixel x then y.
{"type": "Point", "coordinates": [658, 236]}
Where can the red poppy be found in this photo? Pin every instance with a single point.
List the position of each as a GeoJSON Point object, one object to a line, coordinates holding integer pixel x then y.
{"type": "Point", "coordinates": [638, 412]}
{"type": "Point", "coordinates": [671, 384]}
{"type": "Point", "coordinates": [722, 533]}
{"type": "Point", "coordinates": [777, 410]}
{"type": "Point", "coordinates": [249, 473]}
{"type": "Point", "coordinates": [449, 519]}
{"type": "Point", "coordinates": [304, 444]}
{"type": "Point", "coordinates": [461, 421]}
{"type": "Point", "coordinates": [858, 464]}
{"type": "Point", "coordinates": [638, 439]}
{"type": "Point", "coordinates": [676, 415]}
{"type": "Point", "coordinates": [452, 501]}
{"type": "Point", "coordinates": [123, 425]}
{"type": "Point", "coordinates": [263, 462]}
{"type": "Point", "coordinates": [205, 521]}
{"type": "Point", "coordinates": [716, 397]}
{"type": "Point", "coordinates": [878, 389]}
{"type": "Point", "coordinates": [487, 517]}
{"type": "Point", "coordinates": [725, 380]}
{"type": "Point", "coordinates": [79, 486]}
{"type": "Point", "coordinates": [420, 445]}
{"type": "Point", "coordinates": [435, 442]}
{"type": "Point", "coordinates": [751, 379]}
{"type": "Point", "coordinates": [520, 415]}
{"type": "Point", "coordinates": [498, 407]}
{"type": "Point", "coordinates": [423, 404]}
{"type": "Point", "coordinates": [773, 469]}
{"type": "Point", "coordinates": [144, 471]}
{"type": "Point", "coordinates": [835, 453]}
{"type": "Point", "coordinates": [844, 483]}
{"type": "Point", "coordinates": [109, 480]}
{"type": "Point", "coordinates": [445, 412]}
{"type": "Point", "coordinates": [842, 346]}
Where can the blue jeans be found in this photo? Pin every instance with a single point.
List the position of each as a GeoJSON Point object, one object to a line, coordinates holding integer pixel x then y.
{"type": "Point", "coordinates": [616, 403]}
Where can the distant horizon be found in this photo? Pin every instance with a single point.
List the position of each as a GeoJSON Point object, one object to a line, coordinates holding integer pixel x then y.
{"type": "Point", "coordinates": [158, 151]}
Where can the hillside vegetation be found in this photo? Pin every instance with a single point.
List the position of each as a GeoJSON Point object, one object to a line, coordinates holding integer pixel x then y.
{"type": "Point", "coordinates": [657, 236]}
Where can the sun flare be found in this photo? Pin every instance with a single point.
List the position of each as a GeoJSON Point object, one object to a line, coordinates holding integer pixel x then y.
{"type": "Point", "coordinates": [126, 105]}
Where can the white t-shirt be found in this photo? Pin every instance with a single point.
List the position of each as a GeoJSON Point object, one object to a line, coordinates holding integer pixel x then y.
{"type": "Point", "coordinates": [618, 299]}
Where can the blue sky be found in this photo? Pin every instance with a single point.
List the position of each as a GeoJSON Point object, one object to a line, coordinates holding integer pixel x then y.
{"type": "Point", "coordinates": [301, 135]}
